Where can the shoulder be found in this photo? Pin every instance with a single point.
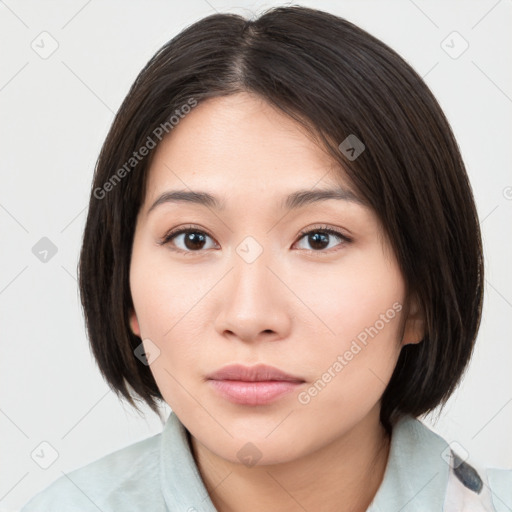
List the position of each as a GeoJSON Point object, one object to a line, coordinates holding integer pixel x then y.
{"type": "Point", "coordinates": [500, 486]}
{"type": "Point", "coordinates": [127, 479]}
{"type": "Point", "coordinates": [470, 485]}
{"type": "Point", "coordinates": [425, 473]}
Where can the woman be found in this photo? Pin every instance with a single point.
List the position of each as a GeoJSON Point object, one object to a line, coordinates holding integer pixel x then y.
{"type": "Point", "coordinates": [282, 245]}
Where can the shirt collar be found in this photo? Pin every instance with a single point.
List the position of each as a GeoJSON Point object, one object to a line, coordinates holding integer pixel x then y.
{"type": "Point", "coordinates": [182, 485]}
{"type": "Point", "coordinates": [415, 473]}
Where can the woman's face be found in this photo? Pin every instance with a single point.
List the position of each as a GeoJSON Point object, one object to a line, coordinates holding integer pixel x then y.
{"type": "Point", "coordinates": [246, 286]}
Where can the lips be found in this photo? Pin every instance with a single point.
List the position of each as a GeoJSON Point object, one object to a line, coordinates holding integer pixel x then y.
{"type": "Point", "coordinates": [253, 385]}
{"type": "Point", "coordinates": [258, 373]}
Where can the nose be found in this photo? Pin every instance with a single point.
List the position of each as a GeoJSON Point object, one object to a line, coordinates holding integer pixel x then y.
{"type": "Point", "coordinates": [254, 303]}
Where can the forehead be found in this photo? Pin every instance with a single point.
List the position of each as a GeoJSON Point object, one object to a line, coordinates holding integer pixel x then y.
{"type": "Point", "coordinates": [240, 144]}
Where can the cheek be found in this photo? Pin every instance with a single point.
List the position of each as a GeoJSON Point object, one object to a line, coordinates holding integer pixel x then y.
{"type": "Point", "coordinates": [353, 297]}
{"type": "Point", "coordinates": [162, 293]}
{"type": "Point", "coordinates": [164, 301]}
{"type": "Point", "coordinates": [168, 302]}
{"type": "Point", "coordinates": [361, 314]}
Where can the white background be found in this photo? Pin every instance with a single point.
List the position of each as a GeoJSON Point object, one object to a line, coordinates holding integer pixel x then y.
{"type": "Point", "coordinates": [55, 114]}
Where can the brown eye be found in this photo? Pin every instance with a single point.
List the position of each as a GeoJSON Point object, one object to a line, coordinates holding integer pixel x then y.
{"type": "Point", "coordinates": [187, 240]}
{"type": "Point", "coordinates": [193, 241]}
{"type": "Point", "coordinates": [319, 239]}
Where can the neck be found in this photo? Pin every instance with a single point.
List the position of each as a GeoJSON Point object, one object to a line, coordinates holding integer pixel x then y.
{"type": "Point", "coordinates": [341, 476]}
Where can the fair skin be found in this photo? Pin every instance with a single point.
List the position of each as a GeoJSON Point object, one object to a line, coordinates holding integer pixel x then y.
{"type": "Point", "coordinates": [297, 306]}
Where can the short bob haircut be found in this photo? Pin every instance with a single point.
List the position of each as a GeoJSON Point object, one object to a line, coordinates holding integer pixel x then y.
{"type": "Point", "coordinates": [334, 79]}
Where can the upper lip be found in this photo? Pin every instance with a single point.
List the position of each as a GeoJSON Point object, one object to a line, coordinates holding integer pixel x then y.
{"type": "Point", "coordinates": [257, 373]}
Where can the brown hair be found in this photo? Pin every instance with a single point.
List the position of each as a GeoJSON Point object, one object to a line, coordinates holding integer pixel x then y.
{"type": "Point", "coordinates": [336, 80]}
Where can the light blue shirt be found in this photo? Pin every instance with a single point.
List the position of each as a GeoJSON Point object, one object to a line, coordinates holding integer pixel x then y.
{"type": "Point", "coordinates": [159, 474]}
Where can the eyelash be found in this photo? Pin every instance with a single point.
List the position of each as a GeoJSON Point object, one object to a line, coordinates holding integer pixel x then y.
{"type": "Point", "coordinates": [317, 229]}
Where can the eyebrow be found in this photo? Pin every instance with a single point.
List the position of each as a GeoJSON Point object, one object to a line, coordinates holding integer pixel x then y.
{"type": "Point", "coordinates": [294, 201]}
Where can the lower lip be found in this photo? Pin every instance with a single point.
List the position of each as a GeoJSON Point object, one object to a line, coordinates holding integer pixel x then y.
{"type": "Point", "coordinates": [253, 393]}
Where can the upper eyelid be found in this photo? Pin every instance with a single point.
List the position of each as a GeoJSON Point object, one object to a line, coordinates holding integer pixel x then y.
{"type": "Point", "coordinates": [328, 229]}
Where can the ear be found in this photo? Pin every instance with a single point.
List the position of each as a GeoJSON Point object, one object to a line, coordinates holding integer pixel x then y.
{"type": "Point", "coordinates": [414, 327]}
{"type": "Point", "coordinates": [134, 323]}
